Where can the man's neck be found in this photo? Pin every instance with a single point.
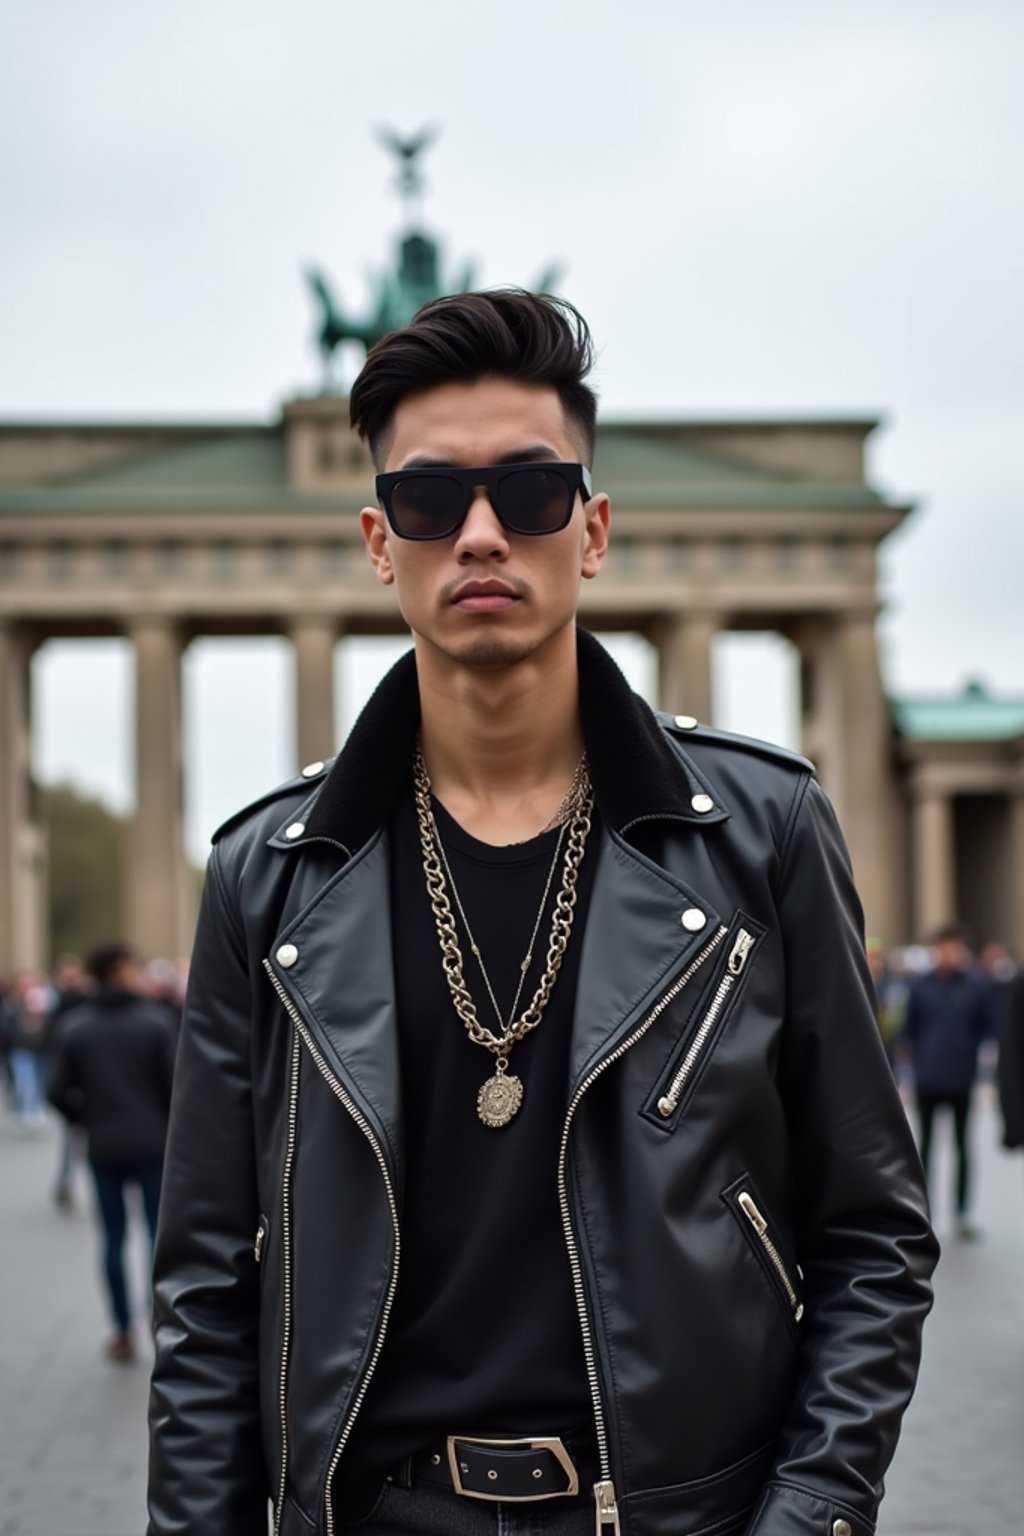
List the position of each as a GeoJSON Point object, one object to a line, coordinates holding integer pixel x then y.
{"type": "Point", "coordinates": [501, 744]}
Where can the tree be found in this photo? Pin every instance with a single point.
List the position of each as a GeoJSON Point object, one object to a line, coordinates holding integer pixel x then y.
{"type": "Point", "coordinates": [86, 871]}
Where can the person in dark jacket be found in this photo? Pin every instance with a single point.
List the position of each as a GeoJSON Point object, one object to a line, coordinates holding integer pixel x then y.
{"type": "Point", "coordinates": [532, 1134]}
{"type": "Point", "coordinates": [112, 1075]}
{"type": "Point", "coordinates": [949, 1014]}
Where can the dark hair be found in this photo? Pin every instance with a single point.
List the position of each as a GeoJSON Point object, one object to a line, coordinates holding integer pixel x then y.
{"type": "Point", "coordinates": [951, 933]}
{"type": "Point", "coordinates": [506, 333]}
{"type": "Point", "coordinates": [105, 959]}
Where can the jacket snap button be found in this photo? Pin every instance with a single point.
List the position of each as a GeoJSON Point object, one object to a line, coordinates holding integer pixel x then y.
{"type": "Point", "coordinates": [311, 770]}
{"type": "Point", "coordinates": [693, 920]}
{"type": "Point", "coordinates": [686, 722]}
{"type": "Point", "coordinates": [703, 804]}
{"type": "Point", "coordinates": [842, 1528]}
{"type": "Point", "coordinates": [295, 830]}
{"type": "Point", "coordinates": [287, 955]}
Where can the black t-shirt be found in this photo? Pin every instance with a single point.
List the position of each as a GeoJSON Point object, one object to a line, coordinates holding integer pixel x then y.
{"type": "Point", "coordinates": [484, 1337]}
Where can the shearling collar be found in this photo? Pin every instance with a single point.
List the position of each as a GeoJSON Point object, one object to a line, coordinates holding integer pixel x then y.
{"type": "Point", "coordinates": [639, 772]}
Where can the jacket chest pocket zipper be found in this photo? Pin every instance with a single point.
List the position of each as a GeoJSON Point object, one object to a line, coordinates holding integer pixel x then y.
{"type": "Point", "coordinates": [757, 1229]}
{"type": "Point", "coordinates": [260, 1240]}
{"type": "Point", "coordinates": [665, 1103]}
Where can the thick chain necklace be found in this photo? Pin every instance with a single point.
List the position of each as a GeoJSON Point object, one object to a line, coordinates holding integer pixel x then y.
{"type": "Point", "coordinates": [502, 1095]}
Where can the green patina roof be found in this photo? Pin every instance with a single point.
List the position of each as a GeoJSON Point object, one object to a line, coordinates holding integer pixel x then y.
{"type": "Point", "coordinates": [973, 715]}
{"type": "Point", "coordinates": [648, 471]}
{"type": "Point", "coordinates": [240, 463]}
{"type": "Point", "coordinates": [248, 470]}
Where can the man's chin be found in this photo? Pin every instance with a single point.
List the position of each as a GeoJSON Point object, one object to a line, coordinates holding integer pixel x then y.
{"type": "Point", "coordinates": [490, 652]}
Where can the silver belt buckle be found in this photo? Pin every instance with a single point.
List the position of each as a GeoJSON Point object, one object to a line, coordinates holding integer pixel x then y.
{"type": "Point", "coordinates": [539, 1443]}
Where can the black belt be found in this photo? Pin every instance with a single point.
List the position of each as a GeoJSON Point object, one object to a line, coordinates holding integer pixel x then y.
{"type": "Point", "coordinates": [544, 1467]}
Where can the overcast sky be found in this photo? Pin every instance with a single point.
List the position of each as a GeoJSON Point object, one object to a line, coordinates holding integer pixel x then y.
{"type": "Point", "coordinates": [761, 208]}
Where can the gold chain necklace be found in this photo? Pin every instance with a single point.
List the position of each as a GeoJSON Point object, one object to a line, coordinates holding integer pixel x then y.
{"type": "Point", "coordinates": [571, 800]}
{"type": "Point", "coordinates": [501, 1096]}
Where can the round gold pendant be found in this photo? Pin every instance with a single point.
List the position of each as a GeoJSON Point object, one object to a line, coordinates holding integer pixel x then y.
{"type": "Point", "coordinates": [499, 1099]}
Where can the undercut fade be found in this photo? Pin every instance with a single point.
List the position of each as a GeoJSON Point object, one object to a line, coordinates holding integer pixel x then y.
{"type": "Point", "coordinates": [505, 333]}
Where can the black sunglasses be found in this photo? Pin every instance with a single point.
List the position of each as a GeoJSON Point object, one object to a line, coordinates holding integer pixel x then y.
{"type": "Point", "coordinates": [527, 498]}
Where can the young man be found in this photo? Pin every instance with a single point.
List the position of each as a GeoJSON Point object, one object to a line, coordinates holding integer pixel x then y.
{"type": "Point", "coordinates": [534, 1156]}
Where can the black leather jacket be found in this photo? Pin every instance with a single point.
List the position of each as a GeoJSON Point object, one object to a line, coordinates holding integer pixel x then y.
{"type": "Point", "coordinates": [742, 1202]}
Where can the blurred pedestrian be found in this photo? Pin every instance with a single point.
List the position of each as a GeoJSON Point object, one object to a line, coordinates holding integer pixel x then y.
{"type": "Point", "coordinates": [948, 1017]}
{"type": "Point", "coordinates": [26, 1006]}
{"type": "Point", "coordinates": [890, 997]}
{"type": "Point", "coordinates": [71, 985]}
{"type": "Point", "coordinates": [113, 1076]}
{"type": "Point", "coordinates": [161, 986]}
{"type": "Point", "coordinates": [6, 1035]}
{"type": "Point", "coordinates": [1011, 1062]}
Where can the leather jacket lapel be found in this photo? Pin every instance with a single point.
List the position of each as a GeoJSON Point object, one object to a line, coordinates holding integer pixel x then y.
{"type": "Point", "coordinates": [342, 982]}
{"type": "Point", "coordinates": [644, 926]}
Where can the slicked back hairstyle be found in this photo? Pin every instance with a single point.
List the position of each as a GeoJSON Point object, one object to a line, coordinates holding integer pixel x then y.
{"type": "Point", "coordinates": [505, 333]}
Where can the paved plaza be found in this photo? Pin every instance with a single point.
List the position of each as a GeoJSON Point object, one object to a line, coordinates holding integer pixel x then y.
{"type": "Point", "coordinates": [72, 1426]}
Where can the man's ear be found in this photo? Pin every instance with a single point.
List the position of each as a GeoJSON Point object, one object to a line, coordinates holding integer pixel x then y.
{"type": "Point", "coordinates": [597, 513]}
{"type": "Point", "coordinates": [375, 533]}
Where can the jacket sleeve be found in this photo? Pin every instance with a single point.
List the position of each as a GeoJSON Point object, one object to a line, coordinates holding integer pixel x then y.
{"type": "Point", "coordinates": [64, 1090]}
{"type": "Point", "coordinates": [865, 1243]}
{"type": "Point", "coordinates": [912, 1021]}
{"type": "Point", "coordinates": [1011, 1064]}
{"type": "Point", "coordinates": [206, 1470]}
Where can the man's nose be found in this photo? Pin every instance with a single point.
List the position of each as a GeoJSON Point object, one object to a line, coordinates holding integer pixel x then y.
{"type": "Point", "coordinates": [482, 533]}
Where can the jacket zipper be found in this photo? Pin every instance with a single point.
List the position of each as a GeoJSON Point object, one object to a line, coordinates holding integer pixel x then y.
{"type": "Point", "coordinates": [364, 1125]}
{"type": "Point", "coordinates": [760, 1226]}
{"type": "Point", "coordinates": [604, 1489]}
{"type": "Point", "coordinates": [286, 1260]}
{"type": "Point", "coordinates": [669, 1102]}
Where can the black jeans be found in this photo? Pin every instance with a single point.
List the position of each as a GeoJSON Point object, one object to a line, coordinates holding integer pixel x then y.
{"type": "Point", "coordinates": [110, 1180]}
{"type": "Point", "coordinates": [960, 1104]}
{"type": "Point", "coordinates": [424, 1510]}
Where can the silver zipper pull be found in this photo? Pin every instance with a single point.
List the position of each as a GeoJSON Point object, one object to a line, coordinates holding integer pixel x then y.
{"type": "Point", "coordinates": [257, 1247]}
{"type": "Point", "coordinates": [607, 1509]}
{"type": "Point", "coordinates": [752, 1213]}
{"type": "Point", "coordinates": [760, 1226]}
{"type": "Point", "coordinates": [740, 950]}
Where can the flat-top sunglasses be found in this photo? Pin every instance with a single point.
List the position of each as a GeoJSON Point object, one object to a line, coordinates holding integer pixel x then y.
{"type": "Point", "coordinates": [527, 498]}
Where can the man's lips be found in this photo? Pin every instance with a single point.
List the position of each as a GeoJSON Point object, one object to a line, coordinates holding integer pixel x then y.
{"type": "Point", "coordinates": [484, 596]}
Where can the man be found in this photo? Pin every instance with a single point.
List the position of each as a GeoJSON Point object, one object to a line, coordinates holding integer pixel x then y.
{"type": "Point", "coordinates": [949, 1014]}
{"type": "Point", "coordinates": [533, 1139]}
{"type": "Point", "coordinates": [113, 1071]}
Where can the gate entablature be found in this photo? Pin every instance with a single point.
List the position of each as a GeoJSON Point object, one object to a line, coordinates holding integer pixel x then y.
{"type": "Point", "coordinates": [162, 533]}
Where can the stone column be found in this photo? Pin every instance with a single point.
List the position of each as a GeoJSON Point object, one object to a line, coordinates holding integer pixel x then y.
{"type": "Point", "coordinates": [1017, 865]}
{"type": "Point", "coordinates": [314, 639]}
{"type": "Point", "coordinates": [934, 859]}
{"type": "Point", "coordinates": [683, 642]}
{"type": "Point", "coordinates": [23, 927]}
{"type": "Point", "coordinates": [160, 910]}
{"type": "Point", "coordinates": [853, 730]}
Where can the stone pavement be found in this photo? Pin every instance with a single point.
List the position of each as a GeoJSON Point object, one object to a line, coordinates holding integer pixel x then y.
{"type": "Point", "coordinates": [72, 1426]}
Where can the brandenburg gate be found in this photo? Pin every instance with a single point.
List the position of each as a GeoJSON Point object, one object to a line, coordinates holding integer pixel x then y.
{"type": "Point", "coordinates": [161, 534]}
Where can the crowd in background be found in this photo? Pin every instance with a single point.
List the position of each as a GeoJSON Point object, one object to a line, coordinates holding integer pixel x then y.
{"type": "Point", "coordinates": [947, 1017]}
{"type": "Point", "coordinates": [34, 1009]}
{"type": "Point", "coordinates": [96, 1041]}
